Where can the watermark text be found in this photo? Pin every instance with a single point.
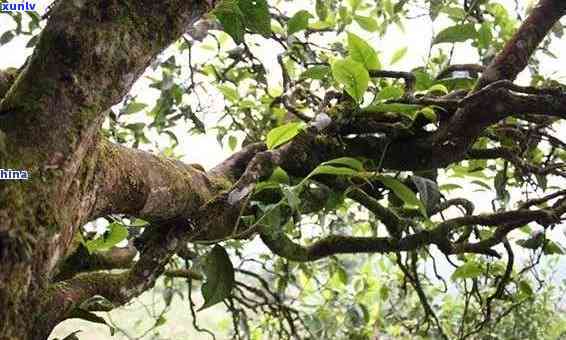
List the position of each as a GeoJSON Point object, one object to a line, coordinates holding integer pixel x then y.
{"type": "Point", "coordinates": [25, 6]}
{"type": "Point", "coordinates": [13, 175]}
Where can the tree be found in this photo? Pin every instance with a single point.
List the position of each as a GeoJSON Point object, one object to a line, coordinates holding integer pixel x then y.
{"type": "Point", "coordinates": [341, 135]}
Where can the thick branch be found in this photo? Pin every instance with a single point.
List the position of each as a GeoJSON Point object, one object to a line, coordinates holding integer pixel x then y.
{"type": "Point", "coordinates": [82, 261]}
{"type": "Point", "coordinates": [517, 52]}
{"type": "Point", "coordinates": [62, 298]}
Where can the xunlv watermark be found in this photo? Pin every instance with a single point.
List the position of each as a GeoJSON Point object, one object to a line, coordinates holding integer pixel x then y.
{"type": "Point", "coordinates": [13, 175]}
{"type": "Point", "coordinates": [25, 6]}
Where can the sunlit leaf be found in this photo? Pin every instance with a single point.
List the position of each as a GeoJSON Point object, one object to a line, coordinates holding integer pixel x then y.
{"type": "Point", "coordinates": [353, 75]}
{"type": "Point", "coordinates": [282, 134]}
{"type": "Point", "coordinates": [468, 270]}
{"type": "Point", "coordinates": [362, 52]}
{"type": "Point", "coordinates": [398, 55]}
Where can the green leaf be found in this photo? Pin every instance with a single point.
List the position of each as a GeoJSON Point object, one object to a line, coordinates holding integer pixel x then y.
{"type": "Point", "coordinates": [367, 23]}
{"type": "Point", "coordinates": [232, 19]}
{"type": "Point", "coordinates": [160, 321]}
{"type": "Point", "coordinates": [321, 9]}
{"type": "Point", "coordinates": [468, 270]}
{"type": "Point", "coordinates": [551, 247]}
{"type": "Point", "coordinates": [408, 109]}
{"type": "Point", "coordinates": [481, 184]}
{"type": "Point", "coordinates": [438, 88]}
{"type": "Point", "coordinates": [232, 142]}
{"type": "Point", "coordinates": [33, 41]}
{"type": "Point", "coordinates": [256, 15]}
{"type": "Point", "coordinates": [229, 93]}
{"type": "Point", "coordinates": [299, 22]}
{"type": "Point", "coordinates": [398, 55]}
{"type": "Point", "coordinates": [347, 161]}
{"type": "Point", "coordinates": [219, 273]}
{"type": "Point", "coordinates": [282, 134]}
{"type": "Point", "coordinates": [353, 75]}
{"type": "Point", "coordinates": [316, 72]}
{"type": "Point", "coordinates": [384, 292]}
{"type": "Point", "coordinates": [97, 302]}
{"type": "Point", "coordinates": [429, 113]}
{"type": "Point", "coordinates": [485, 36]}
{"type": "Point", "coordinates": [456, 33]}
{"type": "Point", "coordinates": [362, 52]}
{"type": "Point", "coordinates": [6, 37]}
{"type": "Point", "coordinates": [390, 92]}
{"type": "Point", "coordinates": [138, 222]}
{"type": "Point", "coordinates": [334, 170]}
{"type": "Point", "coordinates": [134, 107]}
{"type": "Point", "coordinates": [450, 187]}
{"type": "Point", "coordinates": [114, 234]}
{"type": "Point", "coordinates": [279, 176]}
{"type": "Point", "coordinates": [403, 192]}
{"type": "Point", "coordinates": [428, 192]}
{"type": "Point", "coordinates": [292, 198]}
{"type": "Point", "coordinates": [525, 288]}
{"type": "Point", "coordinates": [354, 4]}
{"type": "Point", "coordinates": [89, 316]}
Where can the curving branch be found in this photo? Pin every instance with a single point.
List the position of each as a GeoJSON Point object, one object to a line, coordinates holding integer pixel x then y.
{"type": "Point", "coordinates": [473, 70]}
{"type": "Point", "coordinates": [82, 261]}
{"type": "Point", "coordinates": [279, 243]}
{"type": "Point", "coordinates": [62, 298]}
{"type": "Point", "coordinates": [518, 51]}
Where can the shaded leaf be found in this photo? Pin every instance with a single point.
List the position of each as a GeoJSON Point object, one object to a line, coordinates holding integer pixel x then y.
{"type": "Point", "coordinates": [316, 72]}
{"type": "Point", "coordinates": [403, 192]}
{"type": "Point", "coordinates": [256, 15]}
{"type": "Point", "coordinates": [428, 192]}
{"type": "Point", "coordinates": [334, 170]}
{"type": "Point", "coordinates": [456, 33]}
{"type": "Point", "coordinates": [525, 288]}
{"type": "Point", "coordinates": [347, 161]}
{"type": "Point", "coordinates": [551, 247]}
{"type": "Point", "coordinates": [6, 37]}
{"type": "Point", "coordinates": [91, 317]}
{"type": "Point", "coordinates": [134, 107]}
{"type": "Point", "coordinates": [219, 273]}
{"type": "Point", "coordinates": [232, 19]}
{"type": "Point", "coordinates": [299, 22]}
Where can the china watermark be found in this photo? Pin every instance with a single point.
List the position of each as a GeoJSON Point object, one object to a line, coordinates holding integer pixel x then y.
{"type": "Point", "coordinates": [13, 175]}
{"type": "Point", "coordinates": [25, 6]}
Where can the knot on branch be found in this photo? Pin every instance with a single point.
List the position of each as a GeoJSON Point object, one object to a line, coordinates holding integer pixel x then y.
{"type": "Point", "coordinates": [16, 246]}
{"type": "Point", "coordinates": [547, 218]}
{"type": "Point", "coordinates": [7, 78]}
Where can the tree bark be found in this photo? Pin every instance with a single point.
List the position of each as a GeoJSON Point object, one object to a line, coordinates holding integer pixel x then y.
{"type": "Point", "coordinates": [87, 58]}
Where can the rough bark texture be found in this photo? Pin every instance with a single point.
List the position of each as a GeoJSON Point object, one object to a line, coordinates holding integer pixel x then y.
{"type": "Point", "coordinates": [89, 55]}
{"type": "Point", "coordinates": [86, 60]}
